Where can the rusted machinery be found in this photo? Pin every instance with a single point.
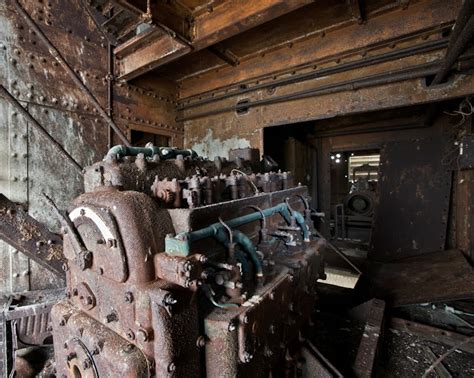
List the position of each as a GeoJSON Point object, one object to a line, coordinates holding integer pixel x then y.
{"type": "Point", "coordinates": [180, 266]}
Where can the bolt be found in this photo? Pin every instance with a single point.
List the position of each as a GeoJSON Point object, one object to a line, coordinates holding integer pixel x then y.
{"type": "Point", "coordinates": [169, 300]}
{"type": "Point", "coordinates": [272, 329]}
{"type": "Point", "coordinates": [142, 335]}
{"type": "Point", "coordinates": [231, 326]}
{"type": "Point", "coordinates": [201, 342]}
{"type": "Point", "coordinates": [86, 364]}
{"type": "Point", "coordinates": [247, 357]}
{"type": "Point", "coordinates": [128, 297]}
{"type": "Point", "coordinates": [112, 317]}
{"type": "Point", "coordinates": [128, 348]}
{"type": "Point", "coordinates": [246, 319]}
{"type": "Point", "coordinates": [130, 335]}
{"type": "Point", "coordinates": [187, 266]}
{"type": "Point", "coordinates": [171, 367]}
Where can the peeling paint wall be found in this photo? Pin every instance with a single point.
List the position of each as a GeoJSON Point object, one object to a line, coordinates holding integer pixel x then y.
{"type": "Point", "coordinates": [211, 147]}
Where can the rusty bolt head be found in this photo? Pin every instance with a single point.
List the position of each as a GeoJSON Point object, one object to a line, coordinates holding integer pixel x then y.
{"type": "Point", "coordinates": [231, 326]}
{"type": "Point", "coordinates": [169, 300]}
{"type": "Point", "coordinates": [201, 342]}
{"type": "Point", "coordinates": [111, 317]}
{"type": "Point", "coordinates": [130, 335]}
{"type": "Point", "coordinates": [247, 357]}
{"type": "Point", "coordinates": [128, 297]}
{"type": "Point", "coordinates": [142, 335]}
{"type": "Point", "coordinates": [86, 364]}
{"type": "Point", "coordinates": [111, 243]}
{"type": "Point", "coordinates": [245, 319]}
{"type": "Point", "coordinates": [65, 267]}
{"type": "Point", "coordinates": [128, 348]}
{"type": "Point", "coordinates": [171, 367]}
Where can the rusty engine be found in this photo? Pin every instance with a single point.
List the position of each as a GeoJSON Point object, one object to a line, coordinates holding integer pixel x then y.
{"type": "Point", "coordinates": [181, 266]}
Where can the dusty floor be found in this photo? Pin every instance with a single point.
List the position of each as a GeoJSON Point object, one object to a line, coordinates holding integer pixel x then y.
{"type": "Point", "coordinates": [400, 354]}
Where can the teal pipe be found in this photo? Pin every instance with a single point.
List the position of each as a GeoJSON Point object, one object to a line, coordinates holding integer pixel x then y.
{"type": "Point", "coordinates": [214, 228]}
{"type": "Point", "coordinates": [179, 245]}
{"type": "Point", "coordinates": [247, 245]}
{"type": "Point", "coordinates": [163, 152]}
{"type": "Point", "coordinates": [300, 221]}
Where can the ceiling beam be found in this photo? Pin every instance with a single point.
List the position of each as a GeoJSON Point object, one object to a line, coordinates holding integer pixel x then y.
{"type": "Point", "coordinates": [155, 48]}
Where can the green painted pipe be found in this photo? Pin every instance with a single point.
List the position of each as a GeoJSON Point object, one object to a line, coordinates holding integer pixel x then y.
{"type": "Point", "coordinates": [163, 152]}
{"type": "Point", "coordinates": [179, 245]}
{"type": "Point", "coordinates": [300, 221]}
{"type": "Point", "coordinates": [214, 228]}
{"type": "Point", "coordinates": [245, 242]}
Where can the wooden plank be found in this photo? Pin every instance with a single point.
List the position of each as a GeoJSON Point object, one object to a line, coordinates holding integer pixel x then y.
{"type": "Point", "coordinates": [228, 19]}
{"type": "Point", "coordinates": [385, 27]}
{"type": "Point", "coordinates": [435, 277]}
{"type": "Point", "coordinates": [431, 333]}
{"type": "Point", "coordinates": [235, 16]}
{"type": "Point", "coordinates": [147, 52]}
{"type": "Point", "coordinates": [373, 312]}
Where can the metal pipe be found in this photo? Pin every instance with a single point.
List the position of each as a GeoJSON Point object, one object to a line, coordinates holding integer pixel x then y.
{"type": "Point", "coordinates": [213, 229]}
{"type": "Point", "coordinates": [164, 152]}
{"type": "Point", "coordinates": [110, 85]}
{"type": "Point", "coordinates": [339, 252]}
{"type": "Point", "coordinates": [422, 48]}
{"type": "Point", "coordinates": [465, 13]}
{"type": "Point", "coordinates": [56, 55]}
{"type": "Point", "coordinates": [13, 101]}
{"type": "Point", "coordinates": [415, 72]}
{"type": "Point", "coordinates": [456, 49]}
{"type": "Point", "coordinates": [247, 245]}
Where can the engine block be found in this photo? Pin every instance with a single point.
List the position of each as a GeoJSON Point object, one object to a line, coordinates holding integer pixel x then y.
{"type": "Point", "coordinates": [180, 266]}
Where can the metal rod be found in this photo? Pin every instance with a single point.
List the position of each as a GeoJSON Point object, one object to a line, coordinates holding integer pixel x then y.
{"type": "Point", "coordinates": [110, 88]}
{"type": "Point", "coordinates": [422, 48]}
{"type": "Point", "coordinates": [14, 102]}
{"type": "Point", "coordinates": [56, 54]}
{"type": "Point", "coordinates": [339, 252]}
{"type": "Point", "coordinates": [415, 72]}
{"type": "Point", "coordinates": [456, 49]}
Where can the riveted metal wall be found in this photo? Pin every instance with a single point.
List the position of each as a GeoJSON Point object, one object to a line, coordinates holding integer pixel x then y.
{"type": "Point", "coordinates": [29, 164]}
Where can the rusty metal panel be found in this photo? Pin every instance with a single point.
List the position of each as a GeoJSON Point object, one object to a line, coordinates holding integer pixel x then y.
{"type": "Point", "coordinates": [414, 191]}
